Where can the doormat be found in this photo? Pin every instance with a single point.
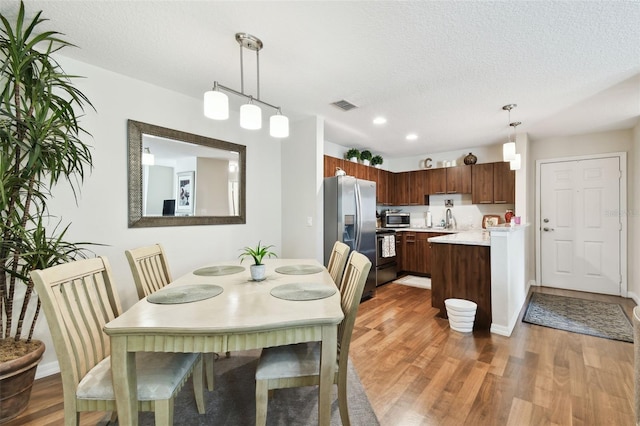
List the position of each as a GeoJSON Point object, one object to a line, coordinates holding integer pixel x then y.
{"type": "Point", "coordinates": [413, 281]}
{"type": "Point", "coordinates": [591, 317]}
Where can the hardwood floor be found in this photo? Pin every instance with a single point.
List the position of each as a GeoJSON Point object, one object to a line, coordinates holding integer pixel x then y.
{"type": "Point", "coordinates": [417, 371]}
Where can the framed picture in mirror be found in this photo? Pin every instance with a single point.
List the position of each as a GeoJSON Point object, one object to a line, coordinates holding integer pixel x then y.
{"type": "Point", "coordinates": [186, 193]}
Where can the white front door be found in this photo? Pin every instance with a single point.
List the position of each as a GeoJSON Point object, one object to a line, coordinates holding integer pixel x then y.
{"type": "Point", "coordinates": [580, 225]}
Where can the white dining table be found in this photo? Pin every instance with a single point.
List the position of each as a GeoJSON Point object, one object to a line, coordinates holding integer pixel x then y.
{"type": "Point", "coordinates": [245, 315]}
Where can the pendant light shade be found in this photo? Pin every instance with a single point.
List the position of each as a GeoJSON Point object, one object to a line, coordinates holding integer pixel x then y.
{"type": "Point", "coordinates": [216, 105]}
{"type": "Point", "coordinates": [509, 151]}
{"type": "Point", "coordinates": [279, 126]}
{"type": "Point", "coordinates": [515, 163]}
{"type": "Point", "coordinates": [250, 116]}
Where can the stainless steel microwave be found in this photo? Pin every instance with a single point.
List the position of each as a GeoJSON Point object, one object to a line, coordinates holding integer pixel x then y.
{"type": "Point", "coordinates": [396, 220]}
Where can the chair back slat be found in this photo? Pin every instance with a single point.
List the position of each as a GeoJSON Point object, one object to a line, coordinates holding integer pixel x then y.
{"type": "Point", "coordinates": [78, 299]}
{"type": "Point", "coordinates": [351, 288]}
{"type": "Point", "coordinates": [337, 262]}
{"type": "Point", "coordinates": [150, 269]}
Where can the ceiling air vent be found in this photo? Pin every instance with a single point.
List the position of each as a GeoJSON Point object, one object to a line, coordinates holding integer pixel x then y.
{"type": "Point", "coordinates": [344, 105]}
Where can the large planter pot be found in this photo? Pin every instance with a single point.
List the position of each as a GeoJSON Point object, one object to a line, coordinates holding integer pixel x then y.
{"type": "Point", "coordinates": [16, 381]}
{"type": "Point", "coordinates": [258, 272]}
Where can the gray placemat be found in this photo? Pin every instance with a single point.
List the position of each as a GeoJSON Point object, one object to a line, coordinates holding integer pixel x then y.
{"type": "Point", "coordinates": [299, 269]}
{"type": "Point", "coordinates": [184, 294]}
{"type": "Point", "coordinates": [213, 271]}
{"type": "Point", "coordinates": [303, 291]}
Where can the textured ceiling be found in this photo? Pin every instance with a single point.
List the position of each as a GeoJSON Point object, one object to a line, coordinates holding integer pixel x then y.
{"type": "Point", "coordinates": [442, 70]}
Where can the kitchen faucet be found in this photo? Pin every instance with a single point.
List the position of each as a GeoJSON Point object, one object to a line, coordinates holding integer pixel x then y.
{"type": "Point", "coordinates": [448, 219]}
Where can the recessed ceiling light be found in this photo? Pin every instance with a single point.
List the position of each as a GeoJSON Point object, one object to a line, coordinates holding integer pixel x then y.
{"type": "Point", "coordinates": [379, 120]}
{"type": "Point", "coordinates": [412, 137]}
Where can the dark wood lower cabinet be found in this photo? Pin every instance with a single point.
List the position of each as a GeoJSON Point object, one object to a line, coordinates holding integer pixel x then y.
{"type": "Point", "coordinates": [462, 272]}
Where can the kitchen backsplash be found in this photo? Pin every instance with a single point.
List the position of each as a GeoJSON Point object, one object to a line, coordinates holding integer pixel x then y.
{"type": "Point", "coordinates": [466, 214]}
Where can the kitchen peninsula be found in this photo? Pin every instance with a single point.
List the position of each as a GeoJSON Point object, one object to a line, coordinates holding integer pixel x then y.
{"type": "Point", "coordinates": [486, 267]}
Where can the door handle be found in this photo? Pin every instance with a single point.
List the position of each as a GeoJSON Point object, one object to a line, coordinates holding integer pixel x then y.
{"type": "Point", "coordinates": [547, 229]}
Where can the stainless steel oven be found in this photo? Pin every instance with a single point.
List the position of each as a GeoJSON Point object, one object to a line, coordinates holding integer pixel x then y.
{"type": "Point", "coordinates": [386, 265]}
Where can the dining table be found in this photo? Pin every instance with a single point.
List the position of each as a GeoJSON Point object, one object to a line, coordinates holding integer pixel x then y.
{"type": "Point", "coordinates": [220, 308]}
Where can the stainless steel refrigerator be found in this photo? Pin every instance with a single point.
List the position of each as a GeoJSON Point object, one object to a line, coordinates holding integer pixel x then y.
{"type": "Point", "coordinates": [350, 217]}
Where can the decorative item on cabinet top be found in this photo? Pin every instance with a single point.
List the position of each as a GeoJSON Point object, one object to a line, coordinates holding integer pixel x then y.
{"type": "Point", "coordinates": [470, 159]}
{"type": "Point", "coordinates": [365, 156]}
{"type": "Point", "coordinates": [376, 161]}
{"type": "Point", "coordinates": [353, 155]}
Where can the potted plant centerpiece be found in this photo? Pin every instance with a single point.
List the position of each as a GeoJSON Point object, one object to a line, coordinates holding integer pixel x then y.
{"type": "Point", "coordinates": [353, 155]}
{"type": "Point", "coordinates": [365, 156]}
{"type": "Point", "coordinates": [40, 146]}
{"type": "Point", "coordinates": [376, 161]}
{"type": "Point", "coordinates": [257, 253]}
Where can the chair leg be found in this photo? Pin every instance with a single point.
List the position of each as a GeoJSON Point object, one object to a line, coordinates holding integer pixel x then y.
{"type": "Point", "coordinates": [198, 385]}
{"type": "Point", "coordinates": [262, 400]}
{"type": "Point", "coordinates": [164, 412]}
{"type": "Point", "coordinates": [342, 397]}
{"type": "Point", "coordinates": [209, 369]}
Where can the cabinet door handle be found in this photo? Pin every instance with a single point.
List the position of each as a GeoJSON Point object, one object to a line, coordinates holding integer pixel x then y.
{"type": "Point", "coordinates": [485, 202]}
{"type": "Point", "coordinates": [500, 201]}
{"type": "Point", "coordinates": [452, 192]}
{"type": "Point", "coordinates": [440, 192]}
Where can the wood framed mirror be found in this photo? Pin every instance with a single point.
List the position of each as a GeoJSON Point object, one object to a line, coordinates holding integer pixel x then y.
{"type": "Point", "coordinates": [180, 179]}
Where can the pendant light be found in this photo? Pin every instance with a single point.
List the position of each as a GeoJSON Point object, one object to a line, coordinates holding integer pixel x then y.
{"type": "Point", "coordinates": [216, 103]}
{"type": "Point", "coordinates": [509, 147]}
{"type": "Point", "coordinates": [148, 158]}
{"type": "Point", "coordinates": [517, 159]}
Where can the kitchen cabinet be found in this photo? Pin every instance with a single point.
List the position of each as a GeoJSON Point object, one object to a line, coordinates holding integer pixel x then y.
{"type": "Point", "coordinates": [382, 187]}
{"type": "Point", "coordinates": [402, 189]}
{"type": "Point", "coordinates": [400, 251]}
{"type": "Point", "coordinates": [458, 180]}
{"type": "Point", "coordinates": [493, 183]}
{"type": "Point", "coordinates": [504, 183]}
{"type": "Point", "coordinates": [415, 253]}
{"type": "Point", "coordinates": [419, 187]}
{"type": "Point", "coordinates": [330, 165]}
{"type": "Point", "coordinates": [450, 180]}
{"type": "Point", "coordinates": [463, 272]}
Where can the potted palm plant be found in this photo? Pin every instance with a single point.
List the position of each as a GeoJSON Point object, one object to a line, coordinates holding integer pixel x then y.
{"type": "Point", "coordinates": [257, 253]}
{"type": "Point", "coordinates": [40, 147]}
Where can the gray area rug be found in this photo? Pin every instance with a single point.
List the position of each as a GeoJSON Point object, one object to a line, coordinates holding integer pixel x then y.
{"type": "Point", "coordinates": [232, 401]}
{"type": "Point", "coordinates": [600, 319]}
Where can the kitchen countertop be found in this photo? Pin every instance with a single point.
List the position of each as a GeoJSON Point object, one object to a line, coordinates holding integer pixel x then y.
{"type": "Point", "coordinates": [475, 237]}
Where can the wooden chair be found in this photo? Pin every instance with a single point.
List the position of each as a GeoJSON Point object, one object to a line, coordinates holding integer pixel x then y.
{"type": "Point", "coordinates": [337, 261]}
{"type": "Point", "coordinates": [78, 299]}
{"type": "Point", "coordinates": [636, 352]}
{"type": "Point", "coordinates": [151, 273]}
{"type": "Point", "coordinates": [299, 365]}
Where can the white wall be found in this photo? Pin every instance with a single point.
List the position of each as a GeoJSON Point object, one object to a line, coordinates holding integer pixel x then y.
{"type": "Point", "coordinates": [302, 171]}
{"type": "Point", "coordinates": [100, 215]}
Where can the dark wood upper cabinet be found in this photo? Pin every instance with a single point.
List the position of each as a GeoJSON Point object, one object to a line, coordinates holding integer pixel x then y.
{"type": "Point", "coordinates": [493, 183]}
{"type": "Point", "coordinates": [458, 180]}
{"type": "Point", "coordinates": [482, 183]}
{"type": "Point", "coordinates": [437, 181]}
{"type": "Point", "coordinates": [504, 183]}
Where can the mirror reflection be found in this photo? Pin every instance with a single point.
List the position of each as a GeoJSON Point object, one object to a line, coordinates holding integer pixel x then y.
{"type": "Point", "coordinates": [178, 178]}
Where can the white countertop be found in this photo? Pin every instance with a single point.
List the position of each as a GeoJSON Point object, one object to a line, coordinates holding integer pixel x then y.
{"type": "Point", "coordinates": [473, 238]}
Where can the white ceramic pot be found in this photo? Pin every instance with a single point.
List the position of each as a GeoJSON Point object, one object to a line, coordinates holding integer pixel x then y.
{"type": "Point", "coordinates": [340, 172]}
{"type": "Point", "coordinates": [353, 159]}
{"type": "Point", "coordinates": [365, 162]}
{"type": "Point", "coordinates": [258, 272]}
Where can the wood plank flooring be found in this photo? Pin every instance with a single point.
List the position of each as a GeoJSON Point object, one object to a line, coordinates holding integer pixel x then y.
{"type": "Point", "coordinates": [417, 371]}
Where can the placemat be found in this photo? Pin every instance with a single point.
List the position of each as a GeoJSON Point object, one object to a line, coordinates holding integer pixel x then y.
{"type": "Point", "coordinates": [184, 294]}
{"type": "Point", "coordinates": [303, 291]}
{"type": "Point", "coordinates": [213, 271]}
{"type": "Point", "coordinates": [299, 269]}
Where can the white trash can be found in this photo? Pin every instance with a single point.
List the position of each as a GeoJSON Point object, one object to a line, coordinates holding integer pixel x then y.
{"type": "Point", "coordinates": [461, 313]}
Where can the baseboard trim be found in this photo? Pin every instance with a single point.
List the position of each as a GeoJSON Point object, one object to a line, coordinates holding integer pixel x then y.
{"type": "Point", "coordinates": [47, 369]}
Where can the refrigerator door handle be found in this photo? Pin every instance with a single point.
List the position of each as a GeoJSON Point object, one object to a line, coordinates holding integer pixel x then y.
{"type": "Point", "coordinates": [358, 238]}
